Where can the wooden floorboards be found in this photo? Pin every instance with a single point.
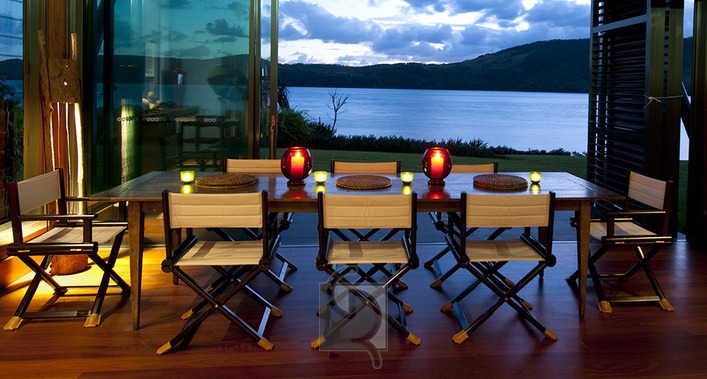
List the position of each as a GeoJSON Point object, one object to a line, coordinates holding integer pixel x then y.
{"type": "Point", "coordinates": [633, 341]}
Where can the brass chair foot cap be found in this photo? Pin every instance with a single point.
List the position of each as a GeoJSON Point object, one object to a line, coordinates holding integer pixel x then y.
{"type": "Point", "coordinates": [407, 308]}
{"type": "Point", "coordinates": [460, 337]}
{"type": "Point", "coordinates": [436, 283]}
{"type": "Point", "coordinates": [275, 311]}
{"type": "Point", "coordinates": [665, 304]}
{"type": "Point", "coordinates": [402, 285]}
{"type": "Point", "coordinates": [446, 307]}
{"type": "Point", "coordinates": [508, 282]}
{"type": "Point", "coordinates": [187, 314]}
{"type": "Point", "coordinates": [14, 323]}
{"type": "Point", "coordinates": [528, 305]}
{"type": "Point", "coordinates": [414, 339]}
{"type": "Point", "coordinates": [92, 321]}
{"type": "Point", "coordinates": [164, 348]}
{"type": "Point", "coordinates": [318, 342]}
{"type": "Point", "coordinates": [265, 344]}
{"type": "Point", "coordinates": [286, 287]}
{"type": "Point", "coordinates": [605, 307]}
{"type": "Point", "coordinates": [550, 335]}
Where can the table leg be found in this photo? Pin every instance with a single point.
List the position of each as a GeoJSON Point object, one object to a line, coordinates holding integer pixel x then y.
{"type": "Point", "coordinates": [136, 228]}
{"type": "Point", "coordinates": [583, 216]}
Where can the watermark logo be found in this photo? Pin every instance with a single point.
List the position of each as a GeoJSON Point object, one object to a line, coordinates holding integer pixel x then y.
{"type": "Point", "coordinates": [349, 321]}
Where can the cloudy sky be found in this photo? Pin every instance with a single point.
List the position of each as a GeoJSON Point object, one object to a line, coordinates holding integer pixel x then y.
{"type": "Point", "coordinates": [364, 32]}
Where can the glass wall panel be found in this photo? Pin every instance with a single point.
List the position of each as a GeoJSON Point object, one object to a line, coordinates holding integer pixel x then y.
{"type": "Point", "coordinates": [177, 86]}
{"type": "Point", "coordinates": [11, 97]}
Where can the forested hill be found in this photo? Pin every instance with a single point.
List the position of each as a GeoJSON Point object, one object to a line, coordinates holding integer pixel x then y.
{"type": "Point", "coordinates": [545, 66]}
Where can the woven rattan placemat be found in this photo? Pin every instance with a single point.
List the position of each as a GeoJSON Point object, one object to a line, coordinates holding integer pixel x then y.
{"type": "Point", "coordinates": [225, 181]}
{"type": "Point", "coordinates": [363, 182]}
{"type": "Point", "coordinates": [500, 182]}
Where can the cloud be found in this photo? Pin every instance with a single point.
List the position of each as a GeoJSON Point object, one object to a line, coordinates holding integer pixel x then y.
{"type": "Point", "coordinates": [430, 30]}
{"type": "Point", "coordinates": [221, 27]}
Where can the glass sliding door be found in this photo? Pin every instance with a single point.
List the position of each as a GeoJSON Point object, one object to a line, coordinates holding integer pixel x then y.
{"type": "Point", "coordinates": [171, 86]}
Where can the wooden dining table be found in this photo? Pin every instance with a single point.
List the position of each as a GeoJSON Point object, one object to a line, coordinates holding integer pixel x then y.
{"type": "Point", "coordinates": [143, 195]}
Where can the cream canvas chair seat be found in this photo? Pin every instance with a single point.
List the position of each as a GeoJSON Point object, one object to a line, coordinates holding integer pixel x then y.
{"type": "Point", "coordinates": [642, 223]}
{"type": "Point", "coordinates": [486, 258]}
{"type": "Point", "coordinates": [237, 263]}
{"type": "Point", "coordinates": [71, 234]}
{"type": "Point", "coordinates": [362, 278]}
{"type": "Point", "coordinates": [441, 223]}
{"type": "Point", "coordinates": [266, 166]}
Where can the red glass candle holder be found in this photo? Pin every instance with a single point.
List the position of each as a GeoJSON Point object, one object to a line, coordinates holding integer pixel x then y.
{"type": "Point", "coordinates": [436, 164]}
{"type": "Point", "coordinates": [296, 164]}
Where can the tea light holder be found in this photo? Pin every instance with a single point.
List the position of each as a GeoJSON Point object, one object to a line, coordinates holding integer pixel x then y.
{"type": "Point", "coordinates": [186, 176]}
{"type": "Point", "coordinates": [406, 177]}
{"type": "Point", "coordinates": [535, 177]}
{"type": "Point", "coordinates": [436, 164]}
{"type": "Point", "coordinates": [296, 164]}
{"type": "Point", "coordinates": [320, 177]}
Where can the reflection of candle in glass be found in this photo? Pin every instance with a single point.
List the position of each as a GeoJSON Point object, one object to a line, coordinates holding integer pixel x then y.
{"type": "Point", "coordinates": [320, 176]}
{"type": "Point", "coordinates": [187, 188]}
{"type": "Point", "coordinates": [407, 189]}
{"type": "Point", "coordinates": [320, 188]}
{"type": "Point", "coordinates": [406, 177]}
{"type": "Point", "coordinates": [436, 166]}
{"type": "Point", "coordinates": [297, 166]}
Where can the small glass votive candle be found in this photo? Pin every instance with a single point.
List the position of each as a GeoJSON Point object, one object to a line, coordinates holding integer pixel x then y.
{"type": "Point", "coordinates": [320, 176]}
{"type": "Point", "coordinates": [406, 177]}
{"type": "Point", "coordinates": [186, 176]}
{"type": "Point", "coordinates": [535, 177]}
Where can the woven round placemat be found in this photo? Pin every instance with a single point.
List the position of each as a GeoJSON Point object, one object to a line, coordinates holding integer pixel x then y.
{"type": "Point", "coordinates": [500, 182]}
{"type": "Point", "coordinates": [363, 182]}
{"type": "Point", "coordinates": [225, 181]}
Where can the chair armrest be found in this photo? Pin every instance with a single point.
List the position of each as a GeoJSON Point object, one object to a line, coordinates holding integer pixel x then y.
{"type": "Point", "coordinates": [634, 213]}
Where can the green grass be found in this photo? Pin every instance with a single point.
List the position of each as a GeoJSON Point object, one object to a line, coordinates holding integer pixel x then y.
{"type": "Point", "coordinates": [576, 165]}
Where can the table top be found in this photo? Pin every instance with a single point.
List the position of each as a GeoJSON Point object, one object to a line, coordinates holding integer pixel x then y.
{"type": "Point", "coordinates": [568, 189]}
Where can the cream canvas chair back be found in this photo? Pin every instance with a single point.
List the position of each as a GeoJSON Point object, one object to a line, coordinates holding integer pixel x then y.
{"type": "Point", "coordinates": [508, 211]}
{"type": "Point", "coordinates": [647, 190]}
{"type": "Point", "coordinates": [228, 210]}
{"type": "Point", "coordinates": [484, 167]}
{"type": "Point", "coordinates": [269, 166]}
{"type": "Point", "coordinates": [37, 191]}
{"type": "Point", "coordinates": [340, 167]}
{"type": "Point", "coordinates": [360, 211]}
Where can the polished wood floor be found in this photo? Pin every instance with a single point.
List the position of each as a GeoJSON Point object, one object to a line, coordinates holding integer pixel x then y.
{"type": "Point", "coordinates": [633, 341]}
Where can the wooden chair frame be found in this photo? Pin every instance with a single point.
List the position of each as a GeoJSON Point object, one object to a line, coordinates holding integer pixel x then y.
{"type": "Point", "coordinates": [647, 200]}
{"type": "Point", "coordinates": [485, 259]}
{"type": "Point", "coordinates": [443, 225]}
{"type": "Point", "coordinates": [326, 263]}
{"type": "Point", "coordinates": [69, 234]}
{"type": "Point", "coordinates": [236, 271]}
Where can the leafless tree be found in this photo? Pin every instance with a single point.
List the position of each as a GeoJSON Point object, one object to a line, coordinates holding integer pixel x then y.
{"type": "Point", "coordinates": [337, 103]}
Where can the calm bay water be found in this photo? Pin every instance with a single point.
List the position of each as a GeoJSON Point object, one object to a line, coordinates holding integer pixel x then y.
{"type": "Point", "coordinates": [521, 120]}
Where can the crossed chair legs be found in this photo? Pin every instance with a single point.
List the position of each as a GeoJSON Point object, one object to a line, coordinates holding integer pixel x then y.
{"type": "Point", "coordinates": [216, 297]}
{"type": "Point", "coordinates": [488, 275]}
{"type": "Point", "coordinates": [642, 263]}
{"type": "Point", "coordinates": [367, 299]}
{"type": "Point", "coordinates": [93, 315]}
